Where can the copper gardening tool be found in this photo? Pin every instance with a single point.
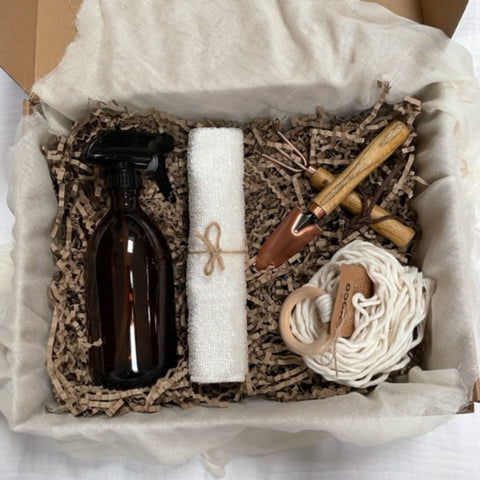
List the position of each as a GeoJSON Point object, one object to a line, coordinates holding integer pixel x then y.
{"type": "Point", "coordinates": [298, 228]}
{"type": "Point", "coordinates": [381, 220]}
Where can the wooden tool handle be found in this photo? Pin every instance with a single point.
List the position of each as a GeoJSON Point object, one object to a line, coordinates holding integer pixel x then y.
{"type": "Point", "coordinates": [398, 233]}
{"type": "Point", "coordinates": [370, 158]}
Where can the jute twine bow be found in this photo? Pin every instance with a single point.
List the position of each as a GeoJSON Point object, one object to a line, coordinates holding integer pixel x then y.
{"type": "Point", "coordinates": [212, 248]}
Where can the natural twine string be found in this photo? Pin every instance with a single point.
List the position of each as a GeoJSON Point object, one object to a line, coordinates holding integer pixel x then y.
{"type": "Point", "coordinates": [388, 325]}
{"type": "Point", "coordinates": [212, 248]}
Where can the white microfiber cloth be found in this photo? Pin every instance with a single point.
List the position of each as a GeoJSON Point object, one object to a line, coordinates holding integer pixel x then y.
{"type": "Point", "coordinates": [216, 285]}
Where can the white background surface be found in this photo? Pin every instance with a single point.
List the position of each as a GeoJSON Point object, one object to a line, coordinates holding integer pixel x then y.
{"type": "Point", "coordinates": [451, 451]}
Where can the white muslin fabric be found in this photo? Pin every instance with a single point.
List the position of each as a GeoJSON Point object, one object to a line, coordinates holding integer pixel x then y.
{"type": "Point", "coordinates": [388, 325]}
{"type": "Point", "coordinates": [216, 285]}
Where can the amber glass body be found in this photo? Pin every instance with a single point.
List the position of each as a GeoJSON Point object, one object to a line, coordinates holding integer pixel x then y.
{"type": "Point", "coordinates": [130, 298]}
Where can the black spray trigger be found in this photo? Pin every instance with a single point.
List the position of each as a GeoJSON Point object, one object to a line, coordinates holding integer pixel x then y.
{"type": "Point", "coordinates": [158, 171]}
{"type": "Point", "coordinates": [124, 154]}
{"type": "Point", "coordinates": [161, 144]}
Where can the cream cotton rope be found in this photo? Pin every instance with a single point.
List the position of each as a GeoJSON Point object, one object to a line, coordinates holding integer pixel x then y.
{"type": "Point", "coordinates": [387, 325]}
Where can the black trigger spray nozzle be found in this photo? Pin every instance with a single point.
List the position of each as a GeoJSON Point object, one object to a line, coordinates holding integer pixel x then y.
{"type": "Point", "coordinates": [124, 153]}
{"type": "Point", "coordinates": [158, 172]}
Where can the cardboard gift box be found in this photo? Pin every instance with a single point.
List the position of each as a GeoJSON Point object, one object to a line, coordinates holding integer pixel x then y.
{"type": "Point", "coordinates": [289, 57]}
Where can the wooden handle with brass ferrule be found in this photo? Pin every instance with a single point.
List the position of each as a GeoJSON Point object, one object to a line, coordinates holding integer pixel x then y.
{"type": "Point", "coordinates": [394, 230]}
{"type": "Point", "coordinates": [379, 149]}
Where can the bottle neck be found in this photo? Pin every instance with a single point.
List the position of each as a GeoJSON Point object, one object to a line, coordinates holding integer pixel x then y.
{"type": "Point", "coordinates": [124, 199]}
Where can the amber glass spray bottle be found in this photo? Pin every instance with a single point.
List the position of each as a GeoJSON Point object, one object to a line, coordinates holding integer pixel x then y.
{"type": "Point", "coordinates": [129, 272]}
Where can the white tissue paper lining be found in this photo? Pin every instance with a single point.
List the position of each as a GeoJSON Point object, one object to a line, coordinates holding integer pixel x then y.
{"type": "Point", "coordinates": [268, 58]}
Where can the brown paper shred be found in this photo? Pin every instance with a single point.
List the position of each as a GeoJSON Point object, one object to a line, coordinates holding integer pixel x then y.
{"type": "Point", "coordinates": [114, 408]}
{"type": "Point", "coordinates": [274, 372]}
{"type": "Point", "coordinates": [414, 101]}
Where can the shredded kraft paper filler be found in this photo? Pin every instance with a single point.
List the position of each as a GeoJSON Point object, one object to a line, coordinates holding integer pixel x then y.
{"type": "Point", "coordinates": [274, 372]}
{"type": "Point", "coordinates": [269, 87]}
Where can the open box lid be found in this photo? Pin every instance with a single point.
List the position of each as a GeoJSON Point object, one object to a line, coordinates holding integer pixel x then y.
{"type": "Point", "coordinates": [35, 33]}
{"type": "Point", "coordinates": [33, 36]}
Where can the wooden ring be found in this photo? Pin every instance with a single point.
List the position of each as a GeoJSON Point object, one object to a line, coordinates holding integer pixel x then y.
{"type": "Point", "coordinates": [317, 346]}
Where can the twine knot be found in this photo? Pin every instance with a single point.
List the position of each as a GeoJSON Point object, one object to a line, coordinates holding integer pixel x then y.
{"type": "Point", "coordinates": [213, 247]}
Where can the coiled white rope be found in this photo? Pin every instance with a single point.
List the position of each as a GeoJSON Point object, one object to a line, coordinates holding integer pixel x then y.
{"type": "Point", "coordinates": [387, 326]}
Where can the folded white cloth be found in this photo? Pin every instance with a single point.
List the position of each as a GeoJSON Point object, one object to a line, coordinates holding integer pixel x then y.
{"type": "Point", "coordinates": [216, 286]}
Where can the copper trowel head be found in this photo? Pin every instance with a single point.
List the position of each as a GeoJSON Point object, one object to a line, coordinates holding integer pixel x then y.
{"type": "Point", "coordinates": [286, 240]}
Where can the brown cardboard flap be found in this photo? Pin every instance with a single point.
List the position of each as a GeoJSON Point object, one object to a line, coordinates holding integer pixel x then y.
{"type": "Point", "coordinates": [35, 33]}
{"type": "Point", "coordinates": [18, 26]}
{"type": "Point", "coordinates": [476, 391]}
{"type": "Point", "coordinates": [443, 14]}
{"type": "Point", "coordinates": [406, 8]}
{"type": "Point", "coordinates": [55, 30]}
